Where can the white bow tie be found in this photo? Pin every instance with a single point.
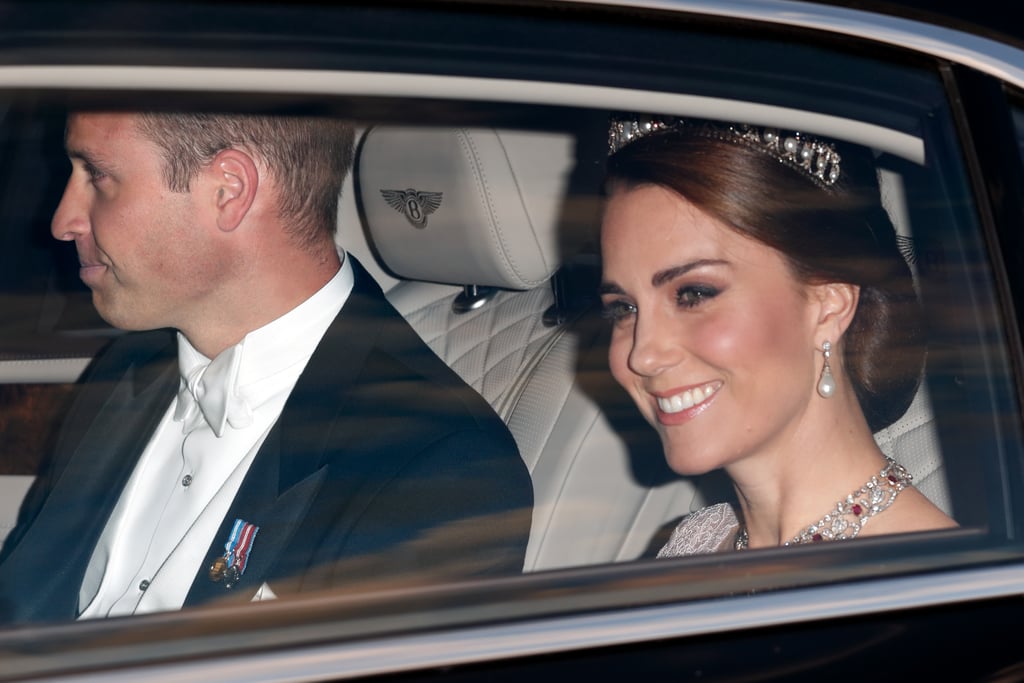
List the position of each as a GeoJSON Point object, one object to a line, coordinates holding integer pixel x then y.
{"type": "Point", "coordinates": [208, 392]}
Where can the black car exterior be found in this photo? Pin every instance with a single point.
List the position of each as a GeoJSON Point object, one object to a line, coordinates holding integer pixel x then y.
{"type": "Point", "coordinates": [944, 102]}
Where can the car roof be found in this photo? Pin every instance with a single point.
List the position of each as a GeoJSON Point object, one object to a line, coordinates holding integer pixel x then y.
{"type": "Point", "coordinates": [983, 17]}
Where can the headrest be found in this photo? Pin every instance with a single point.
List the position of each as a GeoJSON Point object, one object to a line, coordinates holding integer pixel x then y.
{"type": "Point", "coordinates": [465, 206]}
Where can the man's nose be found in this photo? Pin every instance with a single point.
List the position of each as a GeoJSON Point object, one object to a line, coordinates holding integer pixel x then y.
{"type": "Point", "coordinates": [71, 219]}
{"type": "Point", "coordinates": [656, 347]}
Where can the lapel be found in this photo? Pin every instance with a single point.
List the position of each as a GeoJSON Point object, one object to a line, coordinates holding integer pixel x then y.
{"type": "Point", "coordinates": [289, 469]}
{"type": "Point", "coordinates": [113, 419]}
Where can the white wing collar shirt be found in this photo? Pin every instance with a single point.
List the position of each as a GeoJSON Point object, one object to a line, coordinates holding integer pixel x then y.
{"type": "Point", "coordinates": [194, 464]}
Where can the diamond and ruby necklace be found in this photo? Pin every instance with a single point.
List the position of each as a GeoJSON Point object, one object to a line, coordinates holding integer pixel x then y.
{"type": "Point", "coordinates": [850, 514]}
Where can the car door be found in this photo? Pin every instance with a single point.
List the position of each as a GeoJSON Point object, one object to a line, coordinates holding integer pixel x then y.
{"type": "Point", "coordinates": [941, 111]}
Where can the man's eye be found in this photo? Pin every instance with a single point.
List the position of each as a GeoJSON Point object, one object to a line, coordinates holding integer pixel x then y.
{"type": "Point", "coordinates": [95, 174]}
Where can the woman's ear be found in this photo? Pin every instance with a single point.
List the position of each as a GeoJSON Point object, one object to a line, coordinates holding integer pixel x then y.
{"type": "Point", "coordinates": [837, 305]}
{"type": "Point", "coordinates": [233, 178]}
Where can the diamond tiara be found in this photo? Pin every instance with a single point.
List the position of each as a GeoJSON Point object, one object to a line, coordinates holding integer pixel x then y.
{"type": "Point", "coordinates": [816, 159]}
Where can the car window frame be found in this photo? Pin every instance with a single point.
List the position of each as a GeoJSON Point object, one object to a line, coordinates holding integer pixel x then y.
{"type": "Point", "coordinates": [601, 597]}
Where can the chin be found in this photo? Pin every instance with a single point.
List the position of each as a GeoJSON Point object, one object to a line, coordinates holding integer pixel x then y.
{"type": "Point", "coordinates": [122, 320]}
{"type": "Point", "coordinates": [688, 463]}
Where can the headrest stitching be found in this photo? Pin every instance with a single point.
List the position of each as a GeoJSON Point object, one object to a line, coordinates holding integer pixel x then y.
{"type": "Point", "coordinates": [495, 227]}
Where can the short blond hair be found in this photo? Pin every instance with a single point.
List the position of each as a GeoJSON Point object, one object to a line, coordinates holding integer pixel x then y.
{"type": "Point", "coordinates": [308, 157]}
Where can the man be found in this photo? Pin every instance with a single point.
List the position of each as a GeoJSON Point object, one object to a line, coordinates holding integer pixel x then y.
{"type": "Point", "coordinates": [273, 425]}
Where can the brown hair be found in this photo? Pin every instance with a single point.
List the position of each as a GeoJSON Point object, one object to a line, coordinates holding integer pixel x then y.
{"type": "Point", "coordinates": [308, 157]}
{"type": "Point", "coordinates": [836, 234]}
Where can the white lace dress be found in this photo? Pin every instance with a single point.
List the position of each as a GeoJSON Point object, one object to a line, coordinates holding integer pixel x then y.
{"type": "Point", "coordinates": [707, 530]}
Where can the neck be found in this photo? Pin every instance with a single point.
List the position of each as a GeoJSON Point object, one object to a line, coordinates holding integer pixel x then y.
{"type": "Point", "coordinates": [783, 490]}
{"type": "Point", "coordinates": [266, 289]}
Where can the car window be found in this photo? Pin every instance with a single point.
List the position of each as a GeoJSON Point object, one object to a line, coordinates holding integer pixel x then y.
{"type": "Point", "coordinates": [476, 206]}
{"type": "Point", "coordinates": [1017, 112]}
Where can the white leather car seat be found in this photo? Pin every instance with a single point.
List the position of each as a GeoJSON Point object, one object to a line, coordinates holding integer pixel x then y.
{"type": "Point", "coordinates": [471, 226]}
{"type": "Point", "coordinates": [913, 440]}
{"type": "Point", "coordinates": [497, 226]}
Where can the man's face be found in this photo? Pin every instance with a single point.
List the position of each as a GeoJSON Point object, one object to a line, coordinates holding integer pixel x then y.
{"type": "Point", "coordinates": [142, 248]}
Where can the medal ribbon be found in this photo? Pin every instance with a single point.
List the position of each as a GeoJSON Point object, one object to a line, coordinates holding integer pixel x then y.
{"type": "Point", "coordinates": [239, 545]}
{"type": "Point", "coordinates": [241, 555]}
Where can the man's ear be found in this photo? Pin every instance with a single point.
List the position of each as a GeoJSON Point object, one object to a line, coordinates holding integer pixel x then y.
{"type": "Point", "coordinates": [837, 304]}
{"type": "Point", "coordinates": [234, 179]}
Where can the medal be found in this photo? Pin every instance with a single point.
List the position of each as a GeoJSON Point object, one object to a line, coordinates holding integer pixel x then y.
{"type": "Point", "coordinates": [231, 576]}
{"type": "Point", "coordinates": [230, 566]}
{"type": "Point", "coordinates": [218, 568]}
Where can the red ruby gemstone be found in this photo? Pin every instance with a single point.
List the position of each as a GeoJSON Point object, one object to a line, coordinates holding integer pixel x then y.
{"type": "Point", "coordinates": [816, 538]}
{"type": "Point", "coordinates": [892, 479]}
{"type": "Point", "coordinates": [856, 509]}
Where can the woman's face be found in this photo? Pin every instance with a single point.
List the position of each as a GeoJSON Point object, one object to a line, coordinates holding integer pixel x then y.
{"type": "Point", "coordinates": [712, 335]}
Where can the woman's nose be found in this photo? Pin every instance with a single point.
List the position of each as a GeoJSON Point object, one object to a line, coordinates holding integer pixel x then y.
{"type": "Point", "coordinates": [656, 347]}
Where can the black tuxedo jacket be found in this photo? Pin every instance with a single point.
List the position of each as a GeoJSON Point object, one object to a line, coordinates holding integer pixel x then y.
{"type": "Point", "coordinates": [384, 468]}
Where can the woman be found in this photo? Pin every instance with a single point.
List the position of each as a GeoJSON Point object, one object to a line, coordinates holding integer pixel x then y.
{"type": "Point", "coordinates": [765, 322]}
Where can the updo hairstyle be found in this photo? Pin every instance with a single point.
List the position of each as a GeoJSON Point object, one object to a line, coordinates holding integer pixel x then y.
{"type": "Point", "coordinates": [840, 233]}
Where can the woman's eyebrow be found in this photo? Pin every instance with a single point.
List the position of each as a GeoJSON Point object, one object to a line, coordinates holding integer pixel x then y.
{"type": "Point", "coordinates": [663, 276]}
{"type": "Point", "coordinates": [669, 274]}
{"type": "Point", "coordinates": [610, 288]}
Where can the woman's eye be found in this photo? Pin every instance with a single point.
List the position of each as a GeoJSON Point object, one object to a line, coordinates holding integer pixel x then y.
{"type": "Point", "coordinates": [617, 310]}
{"type": "Point", "coordinates": [691, 296]}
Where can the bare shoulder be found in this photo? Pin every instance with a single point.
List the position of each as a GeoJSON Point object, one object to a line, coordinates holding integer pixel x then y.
{"type": "Point", "coordinates": [911, 511]}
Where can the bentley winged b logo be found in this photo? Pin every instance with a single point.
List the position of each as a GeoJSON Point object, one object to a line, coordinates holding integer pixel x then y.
{"type": "Point", "coordinates": [415, 205]}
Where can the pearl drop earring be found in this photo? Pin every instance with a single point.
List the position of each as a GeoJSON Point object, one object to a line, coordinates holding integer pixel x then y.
{"type": "Point", "coordinates": [827, 384]}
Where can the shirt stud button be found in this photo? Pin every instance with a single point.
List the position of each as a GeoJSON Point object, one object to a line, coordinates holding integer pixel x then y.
{"type": "Point", "coordinates": [186, 481]}
{"type": "Point", "coordinates": [143, 585]}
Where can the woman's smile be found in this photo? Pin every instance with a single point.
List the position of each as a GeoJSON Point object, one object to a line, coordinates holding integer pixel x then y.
{"type": "Point", "coordinates": [678, 406]}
